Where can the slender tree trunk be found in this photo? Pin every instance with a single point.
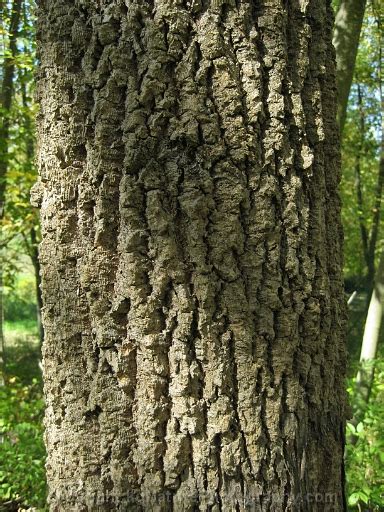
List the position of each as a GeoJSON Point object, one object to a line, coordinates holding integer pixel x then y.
{"type": "Point", "coordinates": [7, 95]}
{"type": "Point", "coordinates": [5, 107]}
{"type": "Point", "coordinates": [346, 35]}
{"type": "Point", "coordinates": [33, 247]}
{"type": "Point", "coordinates": [36, 266]}
{"type": "Point", "coordinates": [373, 323]}
{"type": "Point", "coordinates": [376, 214]}
{"type": "Point", "coordinates": [365, 238]}
{"type": "Point", "coordinates": [371, 334]}
{"type": "Point", "coordinates": [375, 310]}
{"type": "Point", "coordinates": [191, 258]}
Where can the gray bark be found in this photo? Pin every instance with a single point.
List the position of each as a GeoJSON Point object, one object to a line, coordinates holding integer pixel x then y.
{"type": "Point", "coordinates": [346, 35]}
{"type": "Point", "coordinates": [191, 258]}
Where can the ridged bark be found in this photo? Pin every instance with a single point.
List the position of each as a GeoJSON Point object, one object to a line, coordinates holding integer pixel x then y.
{"type": "Point", "coordinates": [191, 256]}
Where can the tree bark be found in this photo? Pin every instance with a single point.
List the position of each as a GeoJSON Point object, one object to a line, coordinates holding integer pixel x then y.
{"type": "Point", "coordinates": [346, 35]}
{"type": "Point", "coordinates": [191, 258]}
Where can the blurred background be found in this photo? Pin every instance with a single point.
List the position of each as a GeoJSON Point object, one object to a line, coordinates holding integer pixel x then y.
{"type": "Point", "coordinates": [22, 480]}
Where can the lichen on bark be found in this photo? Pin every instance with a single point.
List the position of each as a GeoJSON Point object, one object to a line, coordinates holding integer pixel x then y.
{"type": "Point", "coordinates": [191, 255]}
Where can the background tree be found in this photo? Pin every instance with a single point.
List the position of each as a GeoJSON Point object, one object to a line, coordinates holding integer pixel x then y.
{"type": "Point", "coordinates": [362, 193]}
{"type": "Point", "coordinates": [375, 310]}
{"type": "Point", "coordinates": [7, 81]}
{"type": "Point", "coordinates": [19, 221]}
{"type": "Point", "coordinates": [346, 35]}
{"type": "Point", "coordinates": [362, 168]}
{"type": "Point", "coordinates": [191, 255]}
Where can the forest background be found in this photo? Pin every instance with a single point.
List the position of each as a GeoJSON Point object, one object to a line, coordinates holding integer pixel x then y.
{"type": "Point", "coordinates": [22, 454]}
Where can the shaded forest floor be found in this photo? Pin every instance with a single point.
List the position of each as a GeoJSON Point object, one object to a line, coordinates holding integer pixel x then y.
{"type": "Point", "coordinates": [22, 350]}
{"type": "Point", "coordinates": [22, 452]}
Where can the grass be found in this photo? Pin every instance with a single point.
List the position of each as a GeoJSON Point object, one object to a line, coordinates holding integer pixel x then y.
{"type": "Point", "coordinates": [22, 351]}
{"type": "Point", "coordinates": [27, 327]}
{"type": "Point", "coordinates": [22, 452]}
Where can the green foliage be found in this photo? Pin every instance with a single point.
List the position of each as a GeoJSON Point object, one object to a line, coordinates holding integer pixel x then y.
{"type": "Point", "coordinates": [20, 298]}
{"type": "Point", "coordinates": [22, 475]}
{"type": "Point", "coordinates": [21, 328]}
{"type": "Point", "coordinates": [365, 458]}
{"type": "Point", "coordinates": [22, 452]}
{"type": "Point", "coordinates": [22, 352]}
{"type": "Point", "coordinates": [335, 5]}
{"type": "Point", "coordinates": [18, 150]}
{"type": "Point", "coordinates": [361, 144]}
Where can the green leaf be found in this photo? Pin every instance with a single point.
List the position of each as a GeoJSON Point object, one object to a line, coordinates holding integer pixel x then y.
{"type": "Point", "coordinates": [353, 499]}
{"type": "Point", "coordinates": [351, 428]}
{"type": "Point", "coordinates": [363, 497]}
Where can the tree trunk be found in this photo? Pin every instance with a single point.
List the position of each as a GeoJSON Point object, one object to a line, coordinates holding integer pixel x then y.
{"type": "Point", "coordinates": [39, 299]}
{"type": "Point", "coordinates": [375, 310]}
{"type": "Point", "coordinates": [191, 258]}
{"type": "Point", "coordinates": [7, 95]}
{"type": "Point", "coordinates": [346, 35]}
{"type": "Point", "coordinates": [33, 246]}
{"type": "Point", "coordinates": [371, 334]}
